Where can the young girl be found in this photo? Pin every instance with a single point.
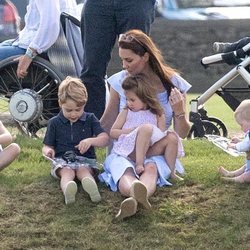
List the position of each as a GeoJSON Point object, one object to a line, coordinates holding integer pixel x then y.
{"type": "Point", "coordinates": [9, 153]}
{"type": "Point", "coordinates": [242, 117]}
{"type": "Point", "coordinates": [141, 124]}
{"type": "Point", "coordinates": [70, 140]}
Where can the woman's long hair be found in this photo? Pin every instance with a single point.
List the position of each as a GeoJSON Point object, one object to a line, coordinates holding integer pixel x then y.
{"type": "Point", "coordinates": [141, 44]}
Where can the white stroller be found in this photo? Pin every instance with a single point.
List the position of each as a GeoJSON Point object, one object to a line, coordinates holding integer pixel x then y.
{"type": "Point", "coordinates": [204, 124]}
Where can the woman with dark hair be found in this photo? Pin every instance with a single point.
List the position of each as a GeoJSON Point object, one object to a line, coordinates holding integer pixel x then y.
{"type": "Point", "coordinates": [139, 54]}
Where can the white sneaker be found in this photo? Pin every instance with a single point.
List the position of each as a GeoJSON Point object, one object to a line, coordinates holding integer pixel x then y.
{"type": "Point", "coordinates": [70, 192]}
{"type": "Point", "coordinates": [89, 185]}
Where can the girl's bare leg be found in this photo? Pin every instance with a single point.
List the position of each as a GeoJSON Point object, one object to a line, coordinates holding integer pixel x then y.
{"type": "Point", "coordinates": [237, 172]}
{"type": "Point", "coordinates": [142, 144]}
{"type": "Point", "coordinates": [9, 154]}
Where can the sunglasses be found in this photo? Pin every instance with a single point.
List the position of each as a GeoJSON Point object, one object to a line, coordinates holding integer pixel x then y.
{"type": "Point", "coordinates": [128, 39]}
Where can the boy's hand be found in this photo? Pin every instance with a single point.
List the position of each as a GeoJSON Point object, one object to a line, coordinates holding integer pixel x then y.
{"type": "Point", "coordinates": [84, 145]}
{"type": "Point", "coordinates": [49, 152]}
{"type": "Point", "coordinates": [235, 140]}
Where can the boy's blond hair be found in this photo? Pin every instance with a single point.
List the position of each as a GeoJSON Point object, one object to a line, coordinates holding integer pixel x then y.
{"type": "Point", "coordinates": [243, 111]}
{"type": "Point", "coordinates": [74, 89]}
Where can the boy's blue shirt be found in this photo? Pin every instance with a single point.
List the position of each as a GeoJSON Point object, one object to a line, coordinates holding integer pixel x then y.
{"type": "Point", "coordinates": [64, 136]}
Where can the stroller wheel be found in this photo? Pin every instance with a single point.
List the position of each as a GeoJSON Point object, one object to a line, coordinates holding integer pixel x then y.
{"type": "Point", "coordinates": [32, 101]}
{"type": "Point", "coordinates": [207, 127]}
{"type": "Point", "coordinates": [220, 125]}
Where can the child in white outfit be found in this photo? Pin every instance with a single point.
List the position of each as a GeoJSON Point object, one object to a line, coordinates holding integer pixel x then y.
{"type": "Point", "coordinates": [141, 124]}
{"type": "Point", "coordinates": [242, 116]}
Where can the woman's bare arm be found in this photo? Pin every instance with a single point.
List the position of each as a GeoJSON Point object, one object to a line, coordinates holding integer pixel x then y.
{"type": "Point", "coordinates": [181, 122]}
{"type": "Point", "coordinates": [111, 111]}
{"type": "Point", "coordinates": [180, 117]}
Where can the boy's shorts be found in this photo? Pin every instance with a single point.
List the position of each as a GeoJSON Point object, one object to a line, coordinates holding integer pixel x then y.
{"type": "Point", "coordinates": [80, 162]}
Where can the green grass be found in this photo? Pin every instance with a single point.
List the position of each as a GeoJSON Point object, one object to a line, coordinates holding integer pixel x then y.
{"type": "Point", "coordinates": [201, 212]}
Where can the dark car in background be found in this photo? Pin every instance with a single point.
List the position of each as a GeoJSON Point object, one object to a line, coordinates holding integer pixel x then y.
{"type": "Point", "coordinates": [9, 20]}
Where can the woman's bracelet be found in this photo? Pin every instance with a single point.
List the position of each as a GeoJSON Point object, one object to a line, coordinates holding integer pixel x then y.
{"type": "Point", "coordinates": [181, 115]}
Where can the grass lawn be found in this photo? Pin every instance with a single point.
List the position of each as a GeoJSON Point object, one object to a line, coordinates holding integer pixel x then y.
{"type": "Point", "coordinates": [201, 212]}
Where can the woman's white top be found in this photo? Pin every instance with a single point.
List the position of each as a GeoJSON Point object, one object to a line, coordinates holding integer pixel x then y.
{"type": "Point", "coordinates": [42, 23]}
{"type": "Point", "coordinates": [116, 80]}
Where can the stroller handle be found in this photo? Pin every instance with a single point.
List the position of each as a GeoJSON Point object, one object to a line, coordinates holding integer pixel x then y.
{"type": "Point", "coordinates": [211, 59]}
{"type": "Point", "coordinates": [231, 58]}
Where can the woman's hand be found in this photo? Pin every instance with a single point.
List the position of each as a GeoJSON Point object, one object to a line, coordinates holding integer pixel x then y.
{"type": "Point", "coordinates": [177, 103]}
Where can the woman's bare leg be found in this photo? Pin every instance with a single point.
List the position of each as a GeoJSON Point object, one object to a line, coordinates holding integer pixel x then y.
{"type": "Point", "coordinates": [149, 178]}
{"type": "Point", "coordinates": [126, 181]}
{"type": "Point", "coordinates": [8, 155]}
{"type": "Point", "coordinates": [157, 148]}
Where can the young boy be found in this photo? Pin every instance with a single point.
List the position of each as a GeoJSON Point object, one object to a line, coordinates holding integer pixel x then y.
{"type": "Point", "coordinates": [242, 117]}
{"type": "Point", "coordinates": [11, 151]}
{"type": "Point", "coordinates": [70, 140]}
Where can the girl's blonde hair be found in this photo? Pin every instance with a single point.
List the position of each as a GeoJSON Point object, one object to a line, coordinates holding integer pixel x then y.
{"type": "Point", "coordinates": [140, 43]}
{"type": "Point", "coordinates": [243, 111]}
{"type": "Point", "coordinates": [73, 89]}
{"type": "Point", "coordinates": [140, 85]}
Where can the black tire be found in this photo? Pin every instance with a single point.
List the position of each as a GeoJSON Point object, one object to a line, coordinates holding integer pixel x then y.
{"type": "Point", "coordinates": [208, 127]}
{"type": "Point", "coordinates": [43, 78]}
{"type": "Point", "coordinates": [220, 125]}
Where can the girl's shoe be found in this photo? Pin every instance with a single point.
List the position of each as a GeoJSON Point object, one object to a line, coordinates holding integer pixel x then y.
{"type": "Point", "coordinates": [70, 192]}
{"type": "Point", "coordinates": [127, 209]}
{"type": "Point", "coordinates": [139, 192]}
{"type": "Point", "coordinates": [89, 185]}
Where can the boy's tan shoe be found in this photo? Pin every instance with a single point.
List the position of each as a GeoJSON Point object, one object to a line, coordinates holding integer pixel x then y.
{"type": "Point", "coordinates": [90, 186]}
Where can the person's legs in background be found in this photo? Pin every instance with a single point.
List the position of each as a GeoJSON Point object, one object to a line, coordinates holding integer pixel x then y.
{"type": "Point", "coordinates": [131, 14]}
{"type": "Point", "coordinates": [101, 23]}
{"type": "Point", "coordinates": [98, 37]}
{"type": "Point", "coordinates": [7, 50]}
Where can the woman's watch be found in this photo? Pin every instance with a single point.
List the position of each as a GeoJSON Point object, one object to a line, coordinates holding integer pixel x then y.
{"type": "Point", "coordinates": [30, 53]}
